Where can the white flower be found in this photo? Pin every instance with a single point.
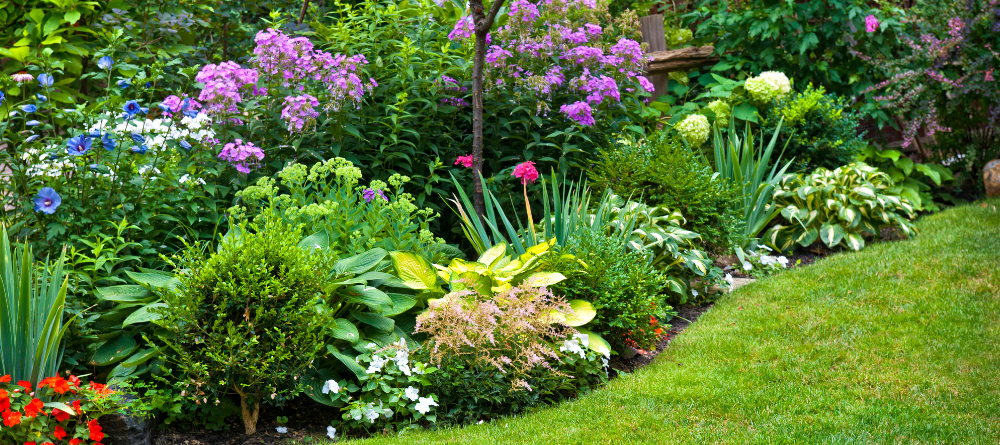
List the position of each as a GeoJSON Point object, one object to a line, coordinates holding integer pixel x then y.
{"type": "Point", "coordinates": [768, 86]}
{"type": "Point", "coordinates": [761, 246]}
{"type": "Point", "coordinates": [729, 279]}
{"type": "Point", "coordinates": [573, 347]}
{"type": "Point", "coordinates": [377, 363]}
{"type": "Point", "coordinates": [424, 405]}
{"type": "Point", "coordinates": [584, 339]}
{"type": "Point", "coordinates": [370, 413]}
{"type": "Point", "coordinates": [331, 386]}
{"type": "Point", "coordinates": [694, 129]}
{"type": "Point", "coordinates": [783, 261]}
{"type": "Point", "coordinates": [412, 393]}
{"type": "Point", "coordinates": [331, 432]}
{"type": "Point", "coordinates": [282, 430]}
{"type": "Point", "coordinates": [767, 260]}
{"type": "Point", "coordinates": [694, 292]}
{"type": "Point", "coordinates": [747, 266]}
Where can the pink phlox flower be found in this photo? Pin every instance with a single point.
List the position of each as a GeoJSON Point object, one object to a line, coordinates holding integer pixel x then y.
{"type": "Point", "coordinates": [580, 112]}
{"type": "Point", "coordinates": [526, 172]}
{"type": "Point", "coordinates": [299, 112]}
{"type": "Point", "coordinates": [497, 55]}
{"type": "Point", "coordinates": [524, 10]}
{"type": "Point", "coordinates": [242, 156]}
{"type": "Point", "coordinates": [464, 28]}
{"type": "Point", "coordinates": [464, 161]}
{"type": "Point", "coordinates": [593, 29]}
{"type": "Point", "coordinates": [871, 23]}
{"type": "Point", "coordinates": [598, 88]}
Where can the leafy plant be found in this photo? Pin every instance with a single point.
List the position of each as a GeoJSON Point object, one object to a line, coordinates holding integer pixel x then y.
{"type": "Point", "coordinates": [57, 409]}
{"type": "Point", "coordinates": [838, 207]}
{"type": "Point", "coordinates": [31, 314]}
{"type": "Point", "coordinates": [911, 180]}
{"type": "Point", "coordinates": [816, 129]}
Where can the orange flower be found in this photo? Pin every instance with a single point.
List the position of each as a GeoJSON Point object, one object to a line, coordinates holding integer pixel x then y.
{"type": "Point", "coordinates": [32, 409]}
{"type": "Point", "coordinates": [11, 419]}
{"type": "Point", "coordinates": [658, 331]}
{"type": "Point", "coordinates": [58, 384]}
{"type": "Point", "coordinates": [25, 385]}
{"type": "Point", "coordinates": [60, 415]}
{"type": "Point", "coordinates": [75, 442]}
{"type": "Point", "coordinates": [5, 379]}
{"type": "Point", "coordinates": [59, 432]}
{"type": "Point", "coordinates": [95, 430]}
{"type": "Point", "coordinates": [75, 381]}
{"type": "Point", "coordinates": [101, 389]}
{"type": "Point", "coordinates": [76, 407]}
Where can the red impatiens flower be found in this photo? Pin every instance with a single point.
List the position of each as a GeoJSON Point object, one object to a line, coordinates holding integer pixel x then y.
{"type": "Point", "coordinates": [100, 389]}
{"type": "Point", "coordinates": [74, 380]}
{"type": "Point", "coordinates": [11, 419]}
{"type": "Point", "coordinates": [75, 442]}
{"type": "Point", "coordinates": [26, 385]}
{"type": "Point", "coordinates": [95, 430]}
{"type": "Point", "coordinates": [60, 415]}
{"type": "Point", "coordinates": [58, 384]}
{"type": "Point", "coordinates": [30, 443]}
{"type": "Point", "coordinates": [59, 431]}
{"type": "Point", "coordinates": [76, 407]}
{"type": "Point", "coordinates": [5, 379]}
{"type": "Point", "coordinates": [32, 409]}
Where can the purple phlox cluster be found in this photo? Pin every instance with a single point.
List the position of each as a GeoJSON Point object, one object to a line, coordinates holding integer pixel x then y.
{"type": "Point", "coordinates": [645, 84]}
{"type": "Point", "coordinates": [497, 55]}
{"type": "Point", "coordinates": [955, 26]}
{"type": "Point", "coordinates": [585, 54]}
{"type": "Point", "coordinates": [294, 61]}
{"type": "Point", "coordinates": [580, 112]}
{"type": "Point", "coordinates": [450, 83]}
{"type": "Point", "coordinates": [177, 104]}
{"type": "Point", "coordinates": [222, 86]}
{"type": "Point", "coordinates": [598, 88]}
{"type": "Point", "coordinates": [454, 101]}
{"type": "Point", "coordinates": [593, 29]}
{"type": "Point", "coordinates": [243, 156]}
{"type": "Point", "coordinates": [629, 50]}
{"type": "Point", "coordinates": [524, 11]}
{"type": "Point", "coordinates": [464, 28]}
{"type": "Point", "coordinates": [300, 112]}
{"type": "Point", "coordinates": [369, 194]}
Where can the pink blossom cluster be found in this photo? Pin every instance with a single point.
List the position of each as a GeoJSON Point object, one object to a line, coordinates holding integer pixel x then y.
{"type": "Point", "coordinates": [524, 11]}
{"type": "Point", "coordinates": [175, 104]}
{"type": "Point", "coordinates": [464, 29]}
{"type": "Point", "coordinates": [526, 172]}
{"type": "Point", "coordinates": [871, 23]}
{"type": "Point", "coordinates": [223, 83]}
{"type": "Point", "coordinates": [300, 112]}
{"type": "Point", "coordinates": [243, 156]}
{"type": "Point", "coordinates": [598, 88]}
{"type": "Point", "coordinates": [580, 112]}
{"type": "Point", "coordinates": [464, 161]}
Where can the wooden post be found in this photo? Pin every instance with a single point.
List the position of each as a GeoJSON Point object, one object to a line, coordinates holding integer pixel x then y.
{"type": "Point", "coordinates": [654, 35]}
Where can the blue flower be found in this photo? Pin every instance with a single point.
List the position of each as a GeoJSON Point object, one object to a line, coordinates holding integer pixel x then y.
{"type": "Point", "coordinates": [47, 201]}
{"type": "Point", "coordinates": [191, 113]}
{"type": "Point", "coordinates": [132, 108]}
{"type": "Point", "coordinates": [78, 145]}
{"type": "Point", "coordinates": [185, 144]}
{"type": "Point", "coordinates": [138, 138]}
{"type": "Point", "coordinates": [108, 142]}
{"type": "Point", "coordinates": [94, 166]}
{"type": "Point", "coordinates": [45, 80]}
{"type": "Point", "coordinates": [41, 98]}
{"type": "Point", "coordinates": [105, 63]}
{"type": "Point", "coordinates": [141, 149]}
{"type": "Point", "coordinates": [31, 138]}
{"type": "Point", "coordinates": [163, 107]}
{"type": "Point", "coordinates": [1, 96]}
{"type": "Point", "coordinates": [123, 84]}
{"type": "Point", "coordinates": [148, 84]}
{"type": "Point", "coordinates": [33, 123]}
{"type": "Point", "coordinates": [30, 108]}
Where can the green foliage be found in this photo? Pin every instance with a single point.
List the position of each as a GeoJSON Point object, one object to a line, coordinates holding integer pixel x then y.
{"type": "Point", "coordinates": [245, 320]}
{"type": "Point", "coordinates": [838, 207]}
{"type": "Point", "coordinates": [625, 289]}
{"type": "Point", "coordinates": [745, 165]}
{"type": "Point", "coordinates": [31, 314]}
{"type": "Point", "coordinates": [667, 174]}
{"type": "Point", "coordinates": [911, 180]}
{"type": "Point", "coordinates": [817, 129]}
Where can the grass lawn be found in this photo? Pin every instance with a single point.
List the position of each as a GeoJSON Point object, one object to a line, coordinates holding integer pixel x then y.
{"type": "Point", "coordinates": [894, 344]}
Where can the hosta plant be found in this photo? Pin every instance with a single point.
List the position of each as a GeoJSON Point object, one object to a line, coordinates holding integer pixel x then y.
{"type": "Point", "coordinates": [838, 207]}
{"type": "Point", "coordinates": [912, 180]}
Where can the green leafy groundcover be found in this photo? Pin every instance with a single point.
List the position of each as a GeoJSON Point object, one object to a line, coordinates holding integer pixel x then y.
{"type": "Point", "coordinates": [893, 344]}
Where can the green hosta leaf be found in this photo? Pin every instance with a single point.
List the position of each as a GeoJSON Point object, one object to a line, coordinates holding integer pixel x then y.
{"type": "Point", "coordinates": [115, 350]}
{"type": "Point", "coordinates": [400, 303]}
{"type": "Point", "coordinates": [377, 321]}
{"type": "Point", "coordinates": [865, 191]}
{"type": "Point", "coordinates": [140, 357]}
{"type": "Point", "coordinates": [317, 241]}
{"type": "Point", "coordinates": [583, 313]}
{"type": "Point", "coordinates": [676, 285]}
{"type": "Point", "coordinates": [831, 234]}
{"type": "Point", "coordinates": [854, 241]}
{"type": "Point", "coordinates": [849, 215]}
{"type": "Point", "coordinates": [152, 279]}
{"type": "Point", "coordinates": [343, 329]}
{"type": "Point", "coordinates": [807, 237]}
{"type": "Point", "coordinates": [360, 263]}
{"type": "Point", "coordinates": [540, 279]}
{"type": "Point", "coordinates": [143, 315]}
{"type": "Point", "coordinates": [414, 271]}
{"type": "Point", "coordinates": [494, 253]}
{"type": "Point", "coordinates": [349, 361]}
{"type": "Point", "coordinates": [122, 294]}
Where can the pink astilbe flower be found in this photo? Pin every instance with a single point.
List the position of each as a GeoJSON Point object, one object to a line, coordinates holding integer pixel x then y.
{"type": "Point", "coordinates": [243, 156]}
{"type": "Point", "coordinates": [299, 112]}
{"type": "Point", "coordinates": [871, 23]}
{"type": "Point", "coordinates": [580, 112]}
{"type": "Point", "coordinates": [526, 172]}
{"type": "Point", "coordinates": [464, 161]}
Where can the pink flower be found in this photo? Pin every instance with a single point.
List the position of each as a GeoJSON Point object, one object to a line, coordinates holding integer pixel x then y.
{"type": "Point", "coordinates": [242, 156]}
{"type": "Point", "coordinates": [526, 172]}
{"type": "Point", "coordinates": [989, 75]}
{"type": "Point", "coordinates": [464, 161]}
{"type": "Point", "coordinates": [464, 28]}
{"type": "Point", "coordinates": [22, 77]}
{"type": "Point", "coordinates": [871, 23]}
{"type": "Point", "coordinates": [579, 112]}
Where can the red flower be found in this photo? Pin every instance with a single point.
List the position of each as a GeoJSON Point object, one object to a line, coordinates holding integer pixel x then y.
{"type": "Point", "coordinates": [75, 442]}
{"type": "Point", "coordinates": [25, 385]}
{"type": "Point", "coordinates": [59, 431]}
{"type": "Point", "coordinates": [464, 161]}
{"type": "Point", "coordinates": [48, 443]}
{"type": "Point", "coordinates": [5, 378]}
{"type": "Point", "coordinates": [100, 389]}
{"type": "Point", "coordinates": [95, 430]}
{"type": "Point", "coordinates": [526, 172]}
{"type": "Point", "coordinates": [60, 415]}
{"type": "Point", "coordinates": [32, 409]}
{"type": "Point", "coordinates": [658, 331]}
{"type": "Point", "coordinates": [11, 419]}
{"type": "Point", "coordinates": [76, 407]}
{"type": "Point", "coordinates": [29, 443]}
{"type": "Point", "coordinates": [75, 381]}
{"type": "Point", "coordinates": [58, 384]}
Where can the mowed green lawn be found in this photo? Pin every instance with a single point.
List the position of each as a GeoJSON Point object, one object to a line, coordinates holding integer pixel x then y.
{"type": "Point", "coordinates": [899, 343]}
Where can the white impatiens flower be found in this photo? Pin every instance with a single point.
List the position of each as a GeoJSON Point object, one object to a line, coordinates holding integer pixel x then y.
{"type": "Point", "coordinates": [282, 430]}
{"type": "Point", "coordinates": [584, 339]}
{"type": "Point", "coordinates": [768, 86]}
{"type": "Point", "coordinates": [331, 386]}
{"type": "Point", "coordinates": [412, 393]}
{"type": "Point", "coordinates": [694, 129]}
{"type": "Point", "coordinates": [331, 432]}
{"type": "Point", "coordinates": [783, 261]}
{"type": "Point", "coordinates": [377, 363]}
{"type": "Point", "coordinates": [767, 260]}
{"type": "Point", "coordinates": [572, 346]}
{"type": "Point", "coordinates": [694, 293]}
{"type": "Point", "coordinates": [424, 405]}
{"type": "Point", "coordinates": [747, 266]}
{"type": "Point", "coordinates": [729, 279]}
{"type": "Point", "coordinates": [187, 178]}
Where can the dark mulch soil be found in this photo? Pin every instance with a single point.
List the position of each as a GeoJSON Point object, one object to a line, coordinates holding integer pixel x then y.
{"type": "Point", "coordinates": [305, 418]}
{"type": "Point", "coordinates": [685, 316]}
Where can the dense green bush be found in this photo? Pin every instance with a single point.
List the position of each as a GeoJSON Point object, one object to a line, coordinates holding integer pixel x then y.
{"type": "Point", "coordinates": [817, 129]}
{"type": "Point", "coordinates": [244, 320]}
{"type": "Point", "coordinates": [664, 172]}
{"type": "Point", "coordinates": [625, 289]}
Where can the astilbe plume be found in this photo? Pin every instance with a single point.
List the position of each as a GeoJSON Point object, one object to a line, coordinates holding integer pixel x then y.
{"type": "Point", "coordinates": [511, 332]}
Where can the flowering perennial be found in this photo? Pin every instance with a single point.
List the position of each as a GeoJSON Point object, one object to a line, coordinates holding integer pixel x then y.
{"type": "Point", "coordinates": [243, 156]}
{"type": "Point", "coordinates": [768, 86]}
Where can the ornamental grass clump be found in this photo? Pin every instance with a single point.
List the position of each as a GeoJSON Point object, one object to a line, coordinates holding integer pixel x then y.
{"type": "Point", "coordinates": [244, 320]}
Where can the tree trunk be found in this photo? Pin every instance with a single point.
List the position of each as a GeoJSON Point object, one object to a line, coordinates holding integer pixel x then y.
{"type": "Point", "coordinates": [477, 121]}
{"type": "Point", "coordinates": [250, 413]}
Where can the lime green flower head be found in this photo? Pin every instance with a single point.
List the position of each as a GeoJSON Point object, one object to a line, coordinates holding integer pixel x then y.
{"type": "Point", "coordinates": [721, 110]}
{"type": "Point", "coordinates": [694, 129]}
{"type": "Point", "coordinates": [768, 86]}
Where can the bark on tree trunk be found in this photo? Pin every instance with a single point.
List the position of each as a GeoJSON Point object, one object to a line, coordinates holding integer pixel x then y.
{"type": "Point", "coordinates": [249, 413]}
{"type": "Point", "coordinates": [482, 22]}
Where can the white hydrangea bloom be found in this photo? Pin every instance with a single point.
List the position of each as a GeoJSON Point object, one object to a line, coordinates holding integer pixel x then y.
{"type": "Point", "coordinates": [722, 111]}
{"type": "Point", "coordinates": [768, 86]}
{"type": "Point", "coordinates": [694, 129]}
{"type": "Point", "coordinates": [572, 346]}
{"type": "Point", "coordinates": [376, 365]}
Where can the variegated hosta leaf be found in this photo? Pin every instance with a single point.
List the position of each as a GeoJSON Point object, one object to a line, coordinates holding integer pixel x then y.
{"type": "Point", "coordinates": [854, 241]}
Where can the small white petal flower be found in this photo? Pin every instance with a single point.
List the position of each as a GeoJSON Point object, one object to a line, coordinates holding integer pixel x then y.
{"type": "Point", "coordinates": [783, 261]}
{"type": "Point", "coordinates": [412, 393]}
{"type": "Point", "coordinates": [331, 386]}
{"type": "Point", "coordinates": [747, 266]}
{"type": "Point", "coordinates": [694, 292]}
{"type": "Point", "coordinates": [424, 405]}
{"type": "Point", "coordinates": [282, 430]}
{"type": "Point", "coordinates": [331, 432]}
